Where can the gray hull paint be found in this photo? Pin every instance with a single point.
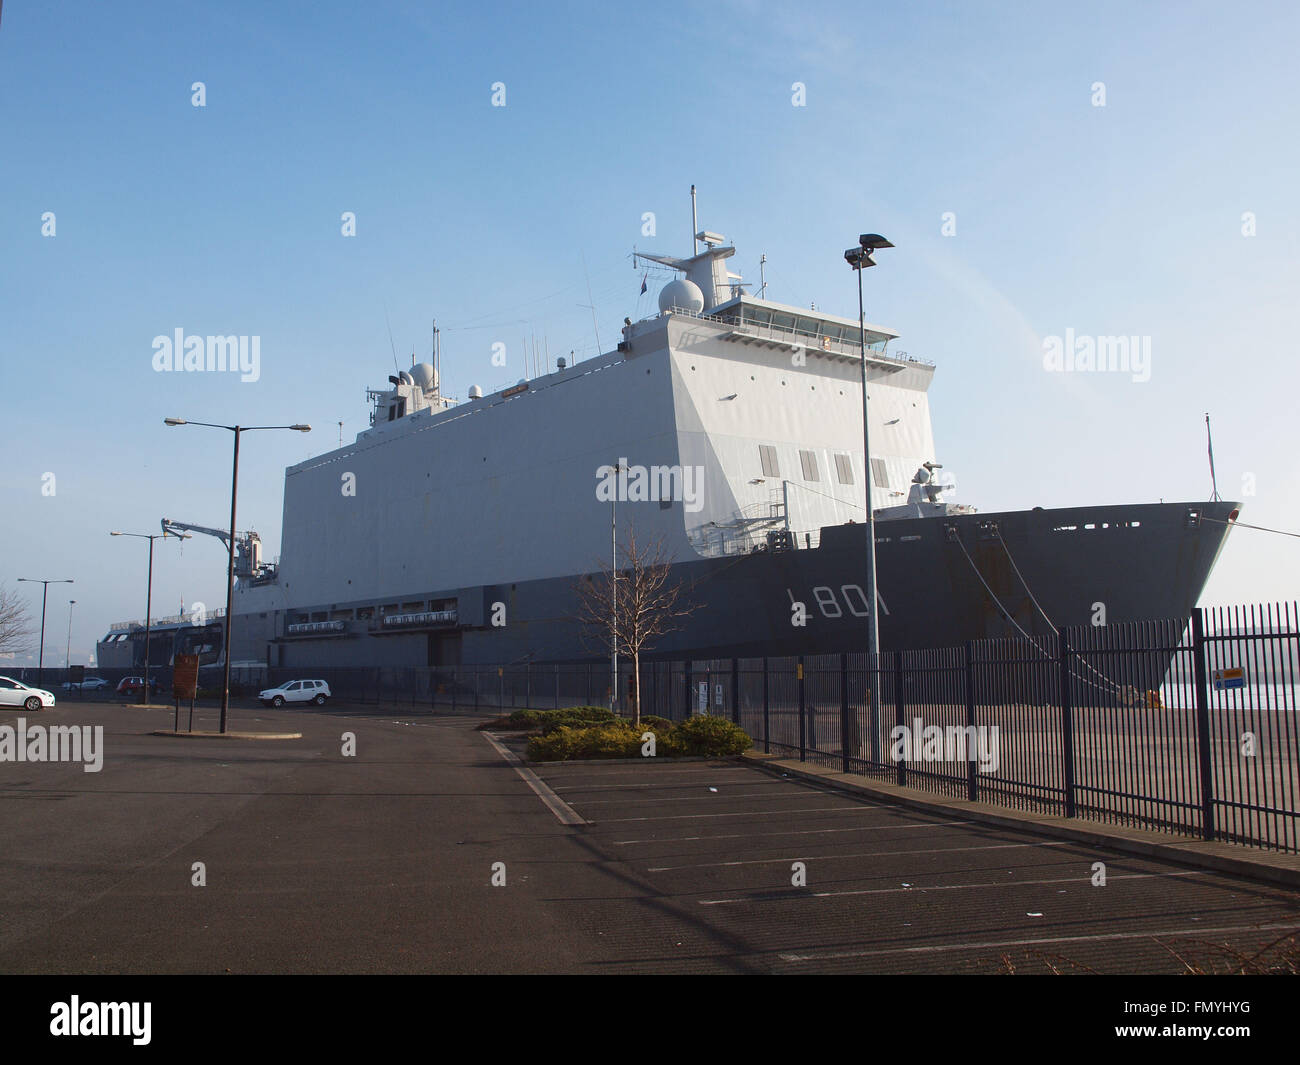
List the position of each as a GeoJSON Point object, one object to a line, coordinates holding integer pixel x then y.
{"type": "Point", "coordinates": [1141, 562]}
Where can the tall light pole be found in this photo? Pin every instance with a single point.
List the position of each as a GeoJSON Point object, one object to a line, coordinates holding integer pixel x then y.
{"type": "Point", "coordinates": [148, 599]}
{"type": "Point", "coordinates": [40, 661]}
{"type": "Point", "coordinates": [859, 259]}
{"type": "Point", "coordinates": [67, 655]}
{"type": "Point", "coordinates": [230, 570]}
{"type": "Point", "coordinates": [613, 594]}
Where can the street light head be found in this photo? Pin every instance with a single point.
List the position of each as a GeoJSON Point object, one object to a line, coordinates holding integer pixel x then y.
{"type": "Point", "coordinates": [873, 241]}
{"type": "Point", "coordinates": [301, 428]}
{"type": "Point", "coordinates": [114, 533]}
{"type": "Point", "coordinates": [174, 421]}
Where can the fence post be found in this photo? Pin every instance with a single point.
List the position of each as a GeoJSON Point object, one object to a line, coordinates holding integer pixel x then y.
{"type": "Point", "coordinates": [844, 712]}
{"type": "Point", "coordinates": [690, 695]}
{"type": "Point", "coordinates": [454, 678]}
{"type": "Point", "coordinates": [898, 708]}
{"type": "Point", "coordinates": [1067, 721]}
{"type": "Point", "coordinates": [476, 689]}
{"type": "Point", "coordinates": [528, 686]}
{"type": "Point", "coordinates": [735, 690]}
{"type": "Point", "coordinates": [767, 729]}
{"type": "Point", "coordinates": [1200, 649]}
{"type": "Point", "coordinates": [501, 687]}
{"type": "Point", "coordinates": [803, 724]}
{"type": "Point", "coordinates": [972, 780]}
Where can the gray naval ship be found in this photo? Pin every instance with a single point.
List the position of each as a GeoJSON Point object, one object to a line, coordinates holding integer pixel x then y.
{"type": "Point", "coordinates": [727, 428]}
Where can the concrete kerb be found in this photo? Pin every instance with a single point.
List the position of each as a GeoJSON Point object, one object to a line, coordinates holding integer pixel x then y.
{"type": "Point", "coordinates": [1264, 866]}
{"type": "Point", "coordinates": [227, 735]}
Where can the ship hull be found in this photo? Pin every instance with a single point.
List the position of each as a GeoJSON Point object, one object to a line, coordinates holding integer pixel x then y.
{"type": "Point", "coordinates": [941, 581]}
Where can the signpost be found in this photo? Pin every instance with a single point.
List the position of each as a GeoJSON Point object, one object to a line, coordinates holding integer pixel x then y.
{"type": "Point", "coordinates": [185, 684]}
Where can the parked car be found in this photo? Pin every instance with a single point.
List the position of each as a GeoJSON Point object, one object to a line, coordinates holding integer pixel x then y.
{"type": "Point", "coordinates": [135, 686]}
{"type": "Point", "coordinates": [296, 691]}
{"type": "Point", "coordinates": [16, 693]}
{"type": "Point", "coordinates": [90, 684]}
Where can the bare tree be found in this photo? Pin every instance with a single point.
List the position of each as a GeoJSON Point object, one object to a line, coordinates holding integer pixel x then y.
{"type": "Point", "coordinates": [16, 626]}
{"type": "Point", "coordinates": [634, 606]}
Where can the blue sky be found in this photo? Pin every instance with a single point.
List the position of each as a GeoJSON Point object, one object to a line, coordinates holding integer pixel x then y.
{"type": "Point", "coordinates": [1123, 219]}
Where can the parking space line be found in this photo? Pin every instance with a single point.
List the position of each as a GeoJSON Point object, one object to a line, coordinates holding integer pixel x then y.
{"type": "Point", "coordinates": [565, 813]}
{"type": "Point", "coordinates": [759, 779]}
{"type": "Point", "coordinates": [706, 797]}
{"type": "Point", "coordinates": [867, 854]}
{"type": "Point", "coordinates": [794, 832]}
{"type": "Point", "coordinates": [1042, 941]}
{"type": "Point", "coordinates": [792, 895]}
{"type": "Point", "coordinates": [772, 813]}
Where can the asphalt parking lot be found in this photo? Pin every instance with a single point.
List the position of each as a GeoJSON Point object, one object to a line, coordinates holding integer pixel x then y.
{"type": "Point", "coordinates": [384, 861]}
{"type": "Point", "coordinates": [896, 891]}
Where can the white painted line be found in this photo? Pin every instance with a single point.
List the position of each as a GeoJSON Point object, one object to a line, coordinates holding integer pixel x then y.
{"type": "Point", "coordinates": [703, 796]}
{"type": "Point", "coordinates": [868, 854]}
{"type": "Point", "coordinates": [565, 813]}
{"type": "Point", "coordinates": [689, 783]}
{"type": "Point", "coordinates": [864, 808]}
{"type": "Point", "coordinates": [1195, 930]}
{"type": "Point", "coordinates": [794, 896]}
{"type": "Point", "coordinates": [797, 832]}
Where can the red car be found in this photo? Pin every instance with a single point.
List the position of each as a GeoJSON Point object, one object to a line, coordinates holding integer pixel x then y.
{"type": "Point", "coordinates": [135, 686]}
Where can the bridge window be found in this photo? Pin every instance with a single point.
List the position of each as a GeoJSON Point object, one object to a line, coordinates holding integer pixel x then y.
{"type": "Point", "coordinates": [767, 454]}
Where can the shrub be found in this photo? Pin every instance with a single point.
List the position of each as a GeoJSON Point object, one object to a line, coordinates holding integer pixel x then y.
{"type": "Point", "coordinates": [712, 737]}
{"type": "Point", "coordinates": [613, 739]}
{"type": "Point", "coordinates": [574, 717]}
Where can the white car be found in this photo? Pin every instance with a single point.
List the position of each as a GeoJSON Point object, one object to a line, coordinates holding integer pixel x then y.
{"type": "Point", "coordinates": [16, 693]}
{"type": "Point", "coordinates": [296, 691]}
{"type": "Point", "coordinates": [90, 684]}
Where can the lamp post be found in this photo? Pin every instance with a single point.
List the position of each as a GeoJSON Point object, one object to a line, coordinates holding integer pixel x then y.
{"type": "Point", "coordinates": [67, 655]}
{"type": "Point", "coordinates": [613, 596]}
{"type": "Point", "coordinates": [148, 599]}
{"type": "Point", "coordinates": [230, 569]}
{"type": "Point", "coordinates": [40, 661]}
{"type": "Point", "coordinates": [859, 259]}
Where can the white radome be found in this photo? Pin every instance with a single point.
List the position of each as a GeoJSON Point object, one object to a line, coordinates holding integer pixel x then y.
{"type": "Point", "coordinates": [682, 294]}
{"type": "Point", "coordinates": [424, 375]}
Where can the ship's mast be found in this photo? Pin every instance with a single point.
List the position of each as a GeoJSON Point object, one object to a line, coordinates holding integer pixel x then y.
{"type": "Point", "coordinates": [695, 226]}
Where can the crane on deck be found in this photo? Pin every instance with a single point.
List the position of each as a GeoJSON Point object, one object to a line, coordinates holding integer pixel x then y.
{"type": "Point", "coordinates": [248, 548]}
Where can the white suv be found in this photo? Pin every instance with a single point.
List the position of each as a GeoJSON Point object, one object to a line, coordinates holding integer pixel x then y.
{"type": "Point", "coordinates": [296, 691]}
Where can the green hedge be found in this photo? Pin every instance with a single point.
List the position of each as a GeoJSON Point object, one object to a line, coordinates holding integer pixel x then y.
{"type": "Point", "coordinates": [569, 715]}
{"type": "Point", "coordinates": [710, 737]}
{"type": "Point", "coordinates": [614, 739]}
{"type": "Point", "coordinates": [713, 737]}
